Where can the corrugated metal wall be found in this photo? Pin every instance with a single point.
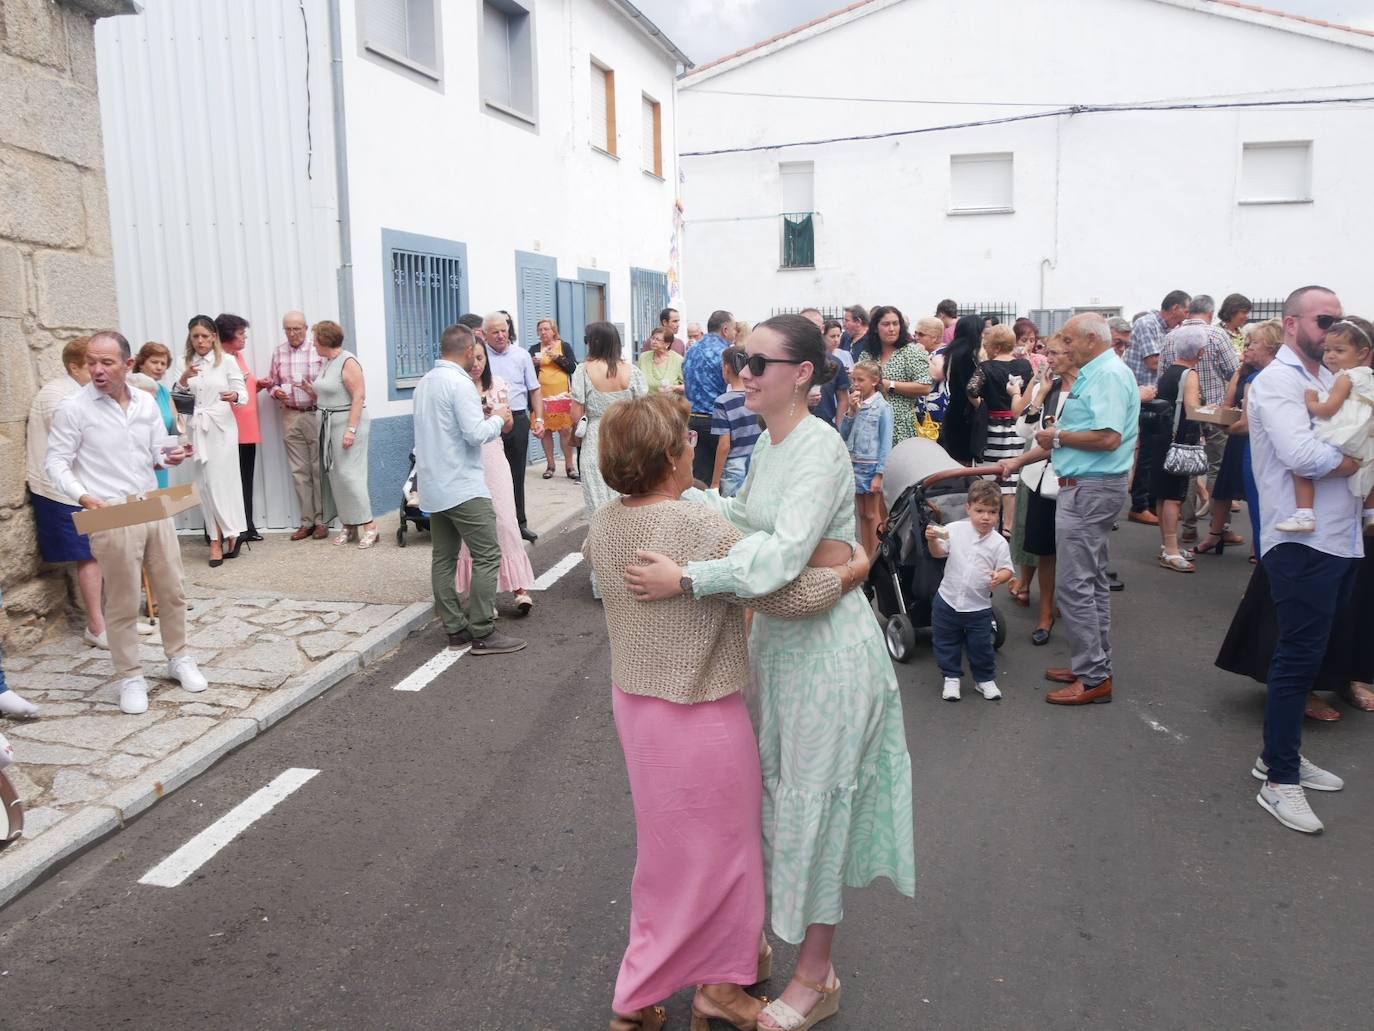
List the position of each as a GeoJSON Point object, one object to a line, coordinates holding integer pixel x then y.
{"type": "Point", "coordinates": [219, 143]}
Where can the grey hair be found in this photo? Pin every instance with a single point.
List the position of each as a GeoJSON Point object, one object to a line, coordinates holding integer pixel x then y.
{"type": "Point", "coordinates": [1202, 304]}
{"type": "Point", "coordinates": [1095, 326]}
{"type": "Point", "coordinates": [498, 318]}
{"type": "Point", "coordinates": [1118, 325]}
{"type": "Point", "coordinates": [1190, 344]}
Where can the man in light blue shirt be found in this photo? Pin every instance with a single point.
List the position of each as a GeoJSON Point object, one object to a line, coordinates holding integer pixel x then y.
{"type": "Point", "coordinates": [1091, 450]}
{"type": "Point", "coordinates": [1310, 574]}
{"type": "Point", "coordinates": [515, 366]}
{"type": "Point", "coordinates": [450, 430]}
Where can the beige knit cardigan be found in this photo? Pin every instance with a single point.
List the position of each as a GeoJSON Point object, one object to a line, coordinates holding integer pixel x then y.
{"type": "Point", "coordinates": [682, 650]}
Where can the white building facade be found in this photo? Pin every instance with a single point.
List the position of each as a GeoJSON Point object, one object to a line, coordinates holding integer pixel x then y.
{"type": "Point", "coordinates": [1046, 212]}
{"type": "Point", "coordinates": [388, 164]}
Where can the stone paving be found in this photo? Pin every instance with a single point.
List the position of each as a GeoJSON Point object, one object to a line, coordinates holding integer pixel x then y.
{"type": "Point", "coordinates": [82, 749]}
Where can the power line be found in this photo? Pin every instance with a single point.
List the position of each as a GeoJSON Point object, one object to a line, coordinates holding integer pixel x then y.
{"type": "Point", "coordinates": [1076, 109]}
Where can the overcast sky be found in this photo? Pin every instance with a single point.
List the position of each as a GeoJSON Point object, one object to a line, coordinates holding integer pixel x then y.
{"type": "Point", "coordinates": [706, 29]}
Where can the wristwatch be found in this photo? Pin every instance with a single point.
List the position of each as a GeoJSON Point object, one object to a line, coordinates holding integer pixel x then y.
{"type": "Point", "coordinates": [685, 583]}
{"type": "Point", "coordinates": [1057, 442]}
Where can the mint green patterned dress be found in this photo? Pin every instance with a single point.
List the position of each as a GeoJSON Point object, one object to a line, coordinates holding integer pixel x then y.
{"type": "Point", "coordinates": [837, 805]}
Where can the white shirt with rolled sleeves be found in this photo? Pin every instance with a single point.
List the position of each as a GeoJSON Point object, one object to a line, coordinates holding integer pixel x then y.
{"type": "Point", "coordinates": [449, 433]}
{"type": "Point", "coordinates": [100, 448]}
{"type": "Point", "coordinates": [973, 560]}
{"type": "Point", "coordinates": [1283, 445]}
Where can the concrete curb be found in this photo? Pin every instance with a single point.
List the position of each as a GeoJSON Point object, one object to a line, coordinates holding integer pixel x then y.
{"type": "Point", "coordinates": [104, 817]}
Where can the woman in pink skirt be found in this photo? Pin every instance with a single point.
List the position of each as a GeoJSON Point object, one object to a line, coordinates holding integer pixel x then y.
{"type": "Point", "coordinates": [696, 904]}
{"type": "Point", "coordinates": [515, 574]}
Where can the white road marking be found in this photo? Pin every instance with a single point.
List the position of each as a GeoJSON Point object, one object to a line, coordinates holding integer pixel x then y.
{"type": "Point", "coordinates": [1160, 728]}
{"type": "Point", "coordinates": [565, 565]}
{"type": "Point", "coordinates": [192, 855]}
{"type": "Point", "coordinates": [426, 674]}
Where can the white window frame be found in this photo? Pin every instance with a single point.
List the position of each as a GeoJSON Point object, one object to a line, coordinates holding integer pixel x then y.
{"type": "Point", "coordinates": [1262, 145]}
{"type": "Point", "coordinates": [416, 11]}
{"type": "Point", "coordinates": [956, 160]}
{"type": "Point", "coordinates": [498, 107]}
{"type": "Point", "coordinates": [609, 145]}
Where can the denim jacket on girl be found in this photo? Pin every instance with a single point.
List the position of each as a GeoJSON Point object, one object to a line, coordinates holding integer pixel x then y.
{"type": "Point", "coordinates": [868, 432]}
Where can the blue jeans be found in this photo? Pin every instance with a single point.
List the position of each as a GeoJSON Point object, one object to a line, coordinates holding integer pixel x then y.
{"type": "Point", "coordinates": [732, 476]}
{"type": "Point", "coordinates": [1308, 587]}
{"type": "Point", "coordinates": [955, 632]}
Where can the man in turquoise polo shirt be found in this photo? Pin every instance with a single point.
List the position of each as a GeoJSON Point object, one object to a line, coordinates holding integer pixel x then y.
{"type": "Point", "coordinates": [1091, 449]}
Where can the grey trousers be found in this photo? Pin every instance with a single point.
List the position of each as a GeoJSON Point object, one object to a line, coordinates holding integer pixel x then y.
{"type": "Point", "coordinates": [301, 438]}
{"type": "Point", "coordinates": [1214, 439]}
{"type": "Point", "coordinates": [1083, 524]}
{"type": "Point", "coordinates": [474, 521]}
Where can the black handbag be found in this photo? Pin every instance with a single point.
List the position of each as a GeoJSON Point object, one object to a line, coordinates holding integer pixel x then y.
{"type": "Point", "coordinates": [1155, 416]}
{"type": "Point", "coordinates": [183, 400]}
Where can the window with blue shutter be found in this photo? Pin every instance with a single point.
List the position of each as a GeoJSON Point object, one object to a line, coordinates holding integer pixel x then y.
{"type": "Point", "coordinates": [425, 291]}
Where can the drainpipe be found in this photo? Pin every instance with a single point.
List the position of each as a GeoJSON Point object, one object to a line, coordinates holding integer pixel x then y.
{"type": "Point", "coordinates": [345, 270]}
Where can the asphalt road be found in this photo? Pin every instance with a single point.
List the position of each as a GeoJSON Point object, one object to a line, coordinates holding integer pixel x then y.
{"type": "Point", "coordinates": [463, 858]}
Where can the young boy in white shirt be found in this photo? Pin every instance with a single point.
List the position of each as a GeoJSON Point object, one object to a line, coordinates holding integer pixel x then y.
{"type": "Point", "coordinates": [979, 562]}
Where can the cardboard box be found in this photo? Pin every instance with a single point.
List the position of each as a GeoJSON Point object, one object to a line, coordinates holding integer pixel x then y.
{"type": "Point", "coordinates": [138, 508]}
{"type": "Point", "coordinates": [1214, 414]}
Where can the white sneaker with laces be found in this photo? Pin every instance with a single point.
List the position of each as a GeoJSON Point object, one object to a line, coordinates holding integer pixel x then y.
{"type": "Point", "coordinates": [184, 670]}
{"type": "Point", "coordinates": [13, 706]}
{"type": "Point", "coordinates": [989, 690]}
{"type": "Point", "coordinates": [133, 696]}
{"type": "Point", "coordinates": [951, 692]}
{"type": "Point", "coordinates": [99, 640]}
{"type": "Point", "coordinates": [1312, 776]}
{"type": "Point", "coordinates": [1287, 803]}
{"type": "Point", "coordinates": [1299, 522]}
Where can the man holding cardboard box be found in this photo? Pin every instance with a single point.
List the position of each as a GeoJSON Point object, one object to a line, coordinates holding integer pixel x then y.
{"type": "Point", "coordinates": [105, 443]}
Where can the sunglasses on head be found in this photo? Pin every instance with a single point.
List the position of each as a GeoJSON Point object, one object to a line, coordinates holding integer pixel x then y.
{"type": "Point", "coordinates": [1325, 322]}
{"type": "Point", "coordinates": [757, 364]}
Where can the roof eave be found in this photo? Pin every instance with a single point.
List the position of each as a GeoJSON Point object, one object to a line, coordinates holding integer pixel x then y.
{"type": "Point", "coordinates": [651, 30]}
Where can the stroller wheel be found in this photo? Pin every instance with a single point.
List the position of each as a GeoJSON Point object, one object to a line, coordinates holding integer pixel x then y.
{"type": "Point", "coordinates": [901, 637]}
{"type": "Point", "coordinates": [401, 536]}
{"type": "Point", "coordinates": [999, 629]}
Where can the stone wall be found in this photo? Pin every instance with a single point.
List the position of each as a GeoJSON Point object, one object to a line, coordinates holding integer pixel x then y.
{"type": "Point", "coordinates": [56, 268]}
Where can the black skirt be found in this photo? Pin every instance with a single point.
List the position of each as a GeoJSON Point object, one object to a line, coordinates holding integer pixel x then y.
{"type": "Point", "coordinates": [1039, 535]}
{"type": "Point", "coordinates": [1254, 634]}
{"type": "Point", "coordinates": [1230, 485]}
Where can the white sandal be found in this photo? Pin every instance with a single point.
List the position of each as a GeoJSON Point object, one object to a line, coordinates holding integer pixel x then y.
{"type": "Point", "coordinates": [788, 1019]}
{"type": "Point", "coordinates": [1177, 563]}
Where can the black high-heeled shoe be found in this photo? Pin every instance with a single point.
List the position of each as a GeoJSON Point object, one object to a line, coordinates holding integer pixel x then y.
{"type": "Point", "coordinates": [238, 546]}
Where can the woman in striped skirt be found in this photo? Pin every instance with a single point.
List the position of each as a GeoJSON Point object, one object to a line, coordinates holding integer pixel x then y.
{"type": "Point", "coordinates": [991, 388]}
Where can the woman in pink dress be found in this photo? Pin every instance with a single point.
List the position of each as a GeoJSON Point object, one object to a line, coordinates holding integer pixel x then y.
{"type": "Point", "coordinates": [516, 574]}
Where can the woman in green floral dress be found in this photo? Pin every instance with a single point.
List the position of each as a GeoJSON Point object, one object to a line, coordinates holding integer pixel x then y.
{"type": "Point", "coordinates": [837, 806]}
{"type": "Point", "coordinates": [906, 369]}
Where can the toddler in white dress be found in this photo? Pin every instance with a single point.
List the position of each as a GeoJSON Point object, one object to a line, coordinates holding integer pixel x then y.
{"type": "Point", "coordinates": [1345, 418]}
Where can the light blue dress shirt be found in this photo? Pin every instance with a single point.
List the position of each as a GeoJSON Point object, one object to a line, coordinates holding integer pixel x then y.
{"type": "Point", "coordinates": [449, 433]}
{"type": "Point", "coordinates": [1104, 397]}
{"type": "Point", "coordinates": [516, 367]}
{"type": "Point", "coordinates": [1283, 445]}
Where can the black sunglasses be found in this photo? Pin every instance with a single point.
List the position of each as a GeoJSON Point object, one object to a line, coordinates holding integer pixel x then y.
{"type": "Point", "coordinates": [1325, 322]}
{"type": "Point", "coordinates": [757, 364]}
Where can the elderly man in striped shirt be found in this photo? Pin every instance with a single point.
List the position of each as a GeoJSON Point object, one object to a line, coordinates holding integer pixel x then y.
{"type": "Point", "coordinates": [294, 363]}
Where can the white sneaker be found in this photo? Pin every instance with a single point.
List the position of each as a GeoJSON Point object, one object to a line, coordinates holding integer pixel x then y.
{"type": "Point", "coordinates": [1287, 803]}
{"type": "Point", "coordinates": [6, 753]}
{"type": "Point", "coordinates": [100, 640]}
{"type": "Point", "coordinates": [184, 670]}
{"type": "Point", "coordinates": [988, 689]}
{"type": "Point", "coordinates": [1312, 776]}
{"type": "Point", "coordinates": [951, 692]}
{"type": "Point", "coordinates": [133, 696]}
{"type": "Point", "coordinates": [1298, 522]}
{"type": "Point", "coordinates": [17, 708]}
{"type": "Point", "coordinates": [145, 628]}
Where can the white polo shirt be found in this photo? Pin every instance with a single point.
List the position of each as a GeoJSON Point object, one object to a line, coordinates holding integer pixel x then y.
{"type": "Point", "coordinates": [966, 586]}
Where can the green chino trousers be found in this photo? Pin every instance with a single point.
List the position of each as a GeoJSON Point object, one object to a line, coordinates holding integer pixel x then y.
{"type": "Point", "coordinates": [474, 521]}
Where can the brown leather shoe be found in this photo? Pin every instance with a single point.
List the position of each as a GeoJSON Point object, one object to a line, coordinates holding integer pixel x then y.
{"type": "Point", "coordinates": [1061, 675]}
{"type": "Point", "coordinates": [302, 533]}
{"type": "Point", "coordinates": [1147, 517]}
{"type": "Point", "coordinates": [1077, 694]}
{"type": "Point", "coordinates": [321, 532]}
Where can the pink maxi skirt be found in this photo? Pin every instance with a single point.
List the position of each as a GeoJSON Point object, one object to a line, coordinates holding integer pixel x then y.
{"type": "Point", "coordinates": [696, 905]}
{"type": "Point", "coordinates": [515, 570]}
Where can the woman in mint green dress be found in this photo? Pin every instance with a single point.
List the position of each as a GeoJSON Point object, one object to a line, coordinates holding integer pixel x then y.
{"type": "Point", "coordinates": [837, 808]}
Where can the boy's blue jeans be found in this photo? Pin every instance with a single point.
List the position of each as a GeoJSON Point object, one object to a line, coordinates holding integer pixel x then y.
{"type": "Point", "coordinates": [956, 632]}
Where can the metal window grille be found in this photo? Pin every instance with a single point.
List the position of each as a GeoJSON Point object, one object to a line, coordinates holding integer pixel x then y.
{"type": "Point", "coordinates": [799, 239]}
{"type": "Point", "coordinates": [1264, 310]}
{"type": "Point", "coordinates": [426, 293]}
{"type": "Point", "coordinates": [648, 297]}
{"type": "Point", "coordinates": [828, 311]}
{"type": "Point", "coordinates": [1005, 311]}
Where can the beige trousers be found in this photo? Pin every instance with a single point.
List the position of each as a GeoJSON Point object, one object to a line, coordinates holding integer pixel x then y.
{"type": "Point", "coordinates": [301, 436]}
{"type": "Point", "coordinates": [122, 554]}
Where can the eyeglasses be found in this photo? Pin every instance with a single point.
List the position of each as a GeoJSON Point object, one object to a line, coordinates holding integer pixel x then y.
{"type": "Point", "coordinates": [757, 364]}
{"type": "Point", "coordinates": [1325, 322]}
{"type": "Point", "coordinates": [691, 438]}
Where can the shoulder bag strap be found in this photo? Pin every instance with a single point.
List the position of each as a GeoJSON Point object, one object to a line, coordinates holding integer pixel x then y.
{"type": "Point", "coordinates": [1178, 405]}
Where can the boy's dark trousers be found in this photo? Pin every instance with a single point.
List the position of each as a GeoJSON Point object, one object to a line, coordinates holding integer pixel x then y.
{"type": "Point", "coordinates": [956, 632]}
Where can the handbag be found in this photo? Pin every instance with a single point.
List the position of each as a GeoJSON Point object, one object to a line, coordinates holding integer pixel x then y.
{"type": "Point", "coordinates": [1040, 477]}
{"type": "Point", "coordinates": [1184, 459]}
{"type": "Point", "coordinates": [183, 400]}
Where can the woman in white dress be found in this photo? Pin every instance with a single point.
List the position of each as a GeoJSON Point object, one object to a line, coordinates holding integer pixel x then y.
{"type": "Point", "coordinates": [218, 387]}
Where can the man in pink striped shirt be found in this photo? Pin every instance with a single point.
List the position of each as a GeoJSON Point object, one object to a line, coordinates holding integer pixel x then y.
{"type": "Point", "coordinates": [293, 363]}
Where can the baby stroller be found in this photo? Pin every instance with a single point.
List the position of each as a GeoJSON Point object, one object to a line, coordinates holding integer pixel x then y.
{"type": "Point", "coordinates": [410, 506]}
{"type": "Point", "coordinates": [921, 485]}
